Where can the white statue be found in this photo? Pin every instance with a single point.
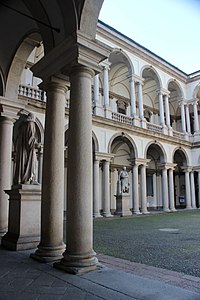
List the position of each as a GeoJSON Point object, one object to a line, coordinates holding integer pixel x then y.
{"type": "Point", "coordinates": [25, 159]}
{"type": "Point", "coordinates": [124, 180]}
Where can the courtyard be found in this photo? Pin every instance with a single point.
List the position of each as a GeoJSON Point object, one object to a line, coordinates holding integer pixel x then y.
{"type": "Point", "coordinates": [170, 241]}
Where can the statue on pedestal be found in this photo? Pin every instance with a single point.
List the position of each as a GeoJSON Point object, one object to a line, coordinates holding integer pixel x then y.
{"type": "Point", "coordinates": [124, 180]}
{"type": "Point", "coordinates": [25, 158]}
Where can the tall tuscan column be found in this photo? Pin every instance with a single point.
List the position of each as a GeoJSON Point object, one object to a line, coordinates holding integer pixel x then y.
{"type": "Point", "coordinates": [51, 245]}
{"type": "Point", "coordinates": [193, 197]}
{"type": "Point", "coordinates": [79, 255]}
{"type": "Point", "coordinates": [6, 129]}
{"type": "Point", "coordinates": [135, 190]}
{"type": "Point", "coordinates": [143, 189]}
{"type": "Point", "coordinates": [96, 213]}
{"type": "Point", "coordinates": [140, 100]}
{"type": "Point", "coordinates": [161, 109]}
{"type": "Point", "coordinates": [132, 96]}
{"type": "Point", "coordinates": [96, 90]}
{"type": "Point", "coordinates": [196, 119]}
{"type": "Point", "coordinates": [171, 190]}
{"type": "Point", "coordinates": [183, 116]}
{"type": "Point", "coordinates": [106, 86]}
{"type": "Point", "coordinates": [199, 189]}
{"type": "Point", "coordinates": [187, 190]}
{"type": "Point", "coordinates": [167, 110]}
{"type": "Point", "coordinates": [165, 193]}
{"type": "Point", "coordinates": [106, 189]}
{"type": "Point", "coordinates": [188, 119]}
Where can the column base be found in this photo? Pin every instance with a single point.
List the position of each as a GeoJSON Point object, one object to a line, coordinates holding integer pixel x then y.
{"type": "Point", "coordinates": [122, 205]}
{"type": "Point", "coordinates": [48, 254]}
{"type": "Point", "coordinates": [97, 215]}
{"type": "Point", "coordinates": [166, 209]}
{"type": "Point", "coordinates": [78, 264]}
{"type": "Point", "coordinates": [173, 209]}
{"type": "Point", "coordinates": [107, 214]}
{"type": "Point", "coordinates": [15, 242]}
{"type": "Point", "coordinates": [136, 212]}
{"type": "Point", "coordinates": [188, 207]}
{"type": "Point", "coordinates": [143, 123]}
{"type": "Point", "coordinates": [145, 212]}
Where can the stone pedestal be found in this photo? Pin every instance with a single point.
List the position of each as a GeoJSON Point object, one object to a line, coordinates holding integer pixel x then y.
{"type": "Point", "coordinates": [122, 205]}
{"type": "Point", "coordinates": [24, 217]}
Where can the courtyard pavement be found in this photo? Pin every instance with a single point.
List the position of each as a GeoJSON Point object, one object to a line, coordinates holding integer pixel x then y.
{"type": "Point", "coordinates": [23, 278]}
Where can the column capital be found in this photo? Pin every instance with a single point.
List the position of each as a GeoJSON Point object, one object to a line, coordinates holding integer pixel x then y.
{"type": "Point", "coordinates": [55, 83]}
{"type": "Point", "coordinates": [186, 169]}
{"type": "Point", "coordinates": [139, 161]}
{"type": "Point", "coordinates": [104, 156]}
{"type": "Point", "coordinates": [167, 166]}
{"type": "Point", "coordinates": [10, 109]}
{"type": "Point", "coordinates": [105, 64]}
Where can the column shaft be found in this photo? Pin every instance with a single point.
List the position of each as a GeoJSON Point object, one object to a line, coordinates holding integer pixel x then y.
{"type": "Point", "coordinates": [6, 129]}
{"type": "Point", "coordinates": [96, 89]}
{"type": "Point", "coordinates": [183, 117]}
{"type": "Point", "coordinates": [140, 100]}
{"type": "Point", "coordinates": [106, 189]}
{"type": "Point", "coordinates": [135, 190]}
{"type": "Point", "coordinates": [96, 213]}
{"type": "Point", "coordinates": [51, 245]}
{"type": "Point", "coordinates": [132, 96]}
{"type": "Point", "coordinates": [161, 108]}
{"type": "Point", "coordinates": [143, 190]}
{"type": "Point", "coordinates": [188, 119]}
{"type": "Point", "coordinates": [187, 190]}
{"type": "Point", "coordinates": [167, 112]}
{"type": "Point", "coordinates": [106, 87]}
{"type": "Point", "coordinates": [165, 190]}
{"type": "Point", "coordinates": [198, 189]}
{"type": "Point", "coordinates": [193, 198]}
{"type": "Point", "coordinates": [79, 255]}
{"type": "Point", "coordinates": [196, 120]}
{"type": "Point", "coordinates": [171, 190]}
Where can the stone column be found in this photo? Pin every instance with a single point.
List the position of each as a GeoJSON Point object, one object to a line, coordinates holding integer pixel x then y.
{"type": "Point", "coordinates": [167, 110]}
{"type": "Point", "coordinates": [106, 189]}
{"type": "Point", "coordinates": [135, 189]}
{"type": "Point", "coordinates": [188, 119]}
{"type": "Point", "coordinates": [132, 96]}
{"type": "Point", "coordinates": [140, 100]}
{"type": "Point", "coordinates": [106, 86]}
{"type": "Point", "coordinates": [143, 189]}
{"type": "Point", "coordinates": [96, 213]}
{"type": "Point", "coordinates": [165, 194]}
{"type": "Point", "coordinates": [193, 197]}
{"type": "Point", "coordinates": [96, 91]}
{"type": "Point", "coordinates": [79, 255]}
{"type": "Point", "coordinates": [171, 190]}
{"type": "Point", "coordinates": [196, 119]}
{"type": "Point", "coordinates": [199, 188]}
{"type": "Point", "coordinates": [40, 163]}
{"type": "Point", "coordinates": [161, 109]}
{"type": "Point", "coordinates": [6, 130]}
{"type": "Point", "coordinates": [51, 245]}
{"type": "Point", "coordinates": [187, 190]}
{"type": "Point", "coordinates": [183, 116]}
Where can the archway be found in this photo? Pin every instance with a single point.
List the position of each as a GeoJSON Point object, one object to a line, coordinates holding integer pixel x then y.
{"type": "Point", "coordinates": [157, 160]}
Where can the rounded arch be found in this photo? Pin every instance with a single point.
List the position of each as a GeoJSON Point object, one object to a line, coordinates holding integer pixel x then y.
{"type": "Point", "coordinates": [183, 155]}
{"type": "Point", "coordinates": [173, 84]}
{"type": "Point", "coordinates": [95, 142]}
{"type": "Point", "coordinates": [159, 147]}
{"type": "Point", "coordinates": [129, 141]}
{"type": "Point", "coordinates": [2, 84]}
{"type": "Point", "coordinates": [196, 91]}
{"type": "Point", "coordinates": [19, 62]}
{"type": "Point", "coordinates": [119, 55]}
{"type": "Point", "coordinates": [149, 71]}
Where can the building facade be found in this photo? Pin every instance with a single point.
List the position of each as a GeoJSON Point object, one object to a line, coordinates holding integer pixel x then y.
{"type": "Point", "coordinates": [118, 107]}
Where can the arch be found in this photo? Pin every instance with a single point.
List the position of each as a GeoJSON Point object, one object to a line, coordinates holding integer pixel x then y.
{"type": "Point", "coordinates": [2, 85]}
{"type": "Point", "coordinates": [95, 141]}
{"type": "Point", "coordinates": [196, 90]}
{"type": "Point", "coordinates": [158, 146]}
{"type": "Point", "coordinates": [153, 72]}
{"type": "Point", "coordinates": [176, 83]}
{"type": "Point", "coordinates": [119, 55]}
{"type": "Point", "coordinates": [18, 64]}
{"type": "Point", "coordinates": [128, 140]}
{"type": "Point", "coordinates": [183, 152]}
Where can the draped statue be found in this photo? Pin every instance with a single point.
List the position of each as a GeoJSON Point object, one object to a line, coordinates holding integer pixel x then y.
{"type": "Point", "coordinates": [25, 158]}
{"type": "Point", "coordinates": [124, 180]}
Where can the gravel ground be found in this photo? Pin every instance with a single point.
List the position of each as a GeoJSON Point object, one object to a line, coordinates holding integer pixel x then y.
{"type": "Point", "coordinates": [170, 241]}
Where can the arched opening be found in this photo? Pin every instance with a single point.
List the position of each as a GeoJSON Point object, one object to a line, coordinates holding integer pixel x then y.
{"type": "Point", "coordinates": [150, 89]}
{"type": "Point", "coordinates": [174, 105]}
{"type": "Point", "coordinates": [156, 157]}
{"type": "Point", "coordinates": [179, 178]}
